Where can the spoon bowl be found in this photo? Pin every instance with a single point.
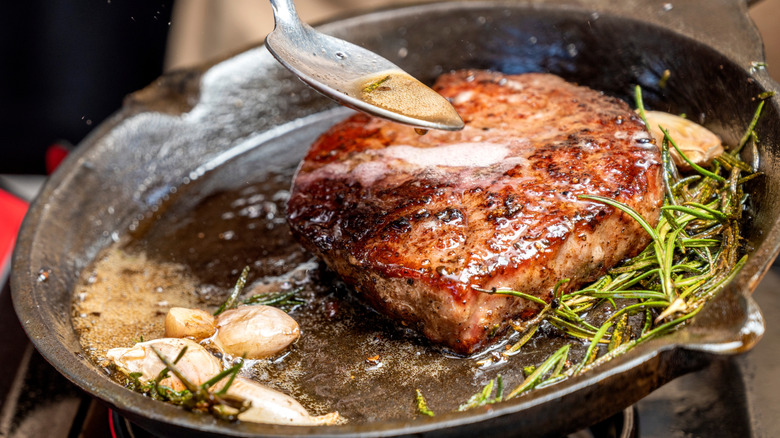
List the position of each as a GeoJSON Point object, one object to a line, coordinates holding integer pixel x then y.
{"type": "Point", "coordinates": [354, 76]}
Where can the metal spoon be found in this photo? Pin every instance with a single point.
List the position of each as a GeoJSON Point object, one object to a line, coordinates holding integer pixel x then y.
{"type": "Point", "coordinates": [355, 77]}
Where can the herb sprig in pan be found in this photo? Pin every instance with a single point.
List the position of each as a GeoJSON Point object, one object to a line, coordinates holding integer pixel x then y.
{"type": "Point", "coordinates": [285, 300]}
{"type": "Point", "coordinates": [695, 251]}
{"type": "Point", "coordinates": [194, 397]}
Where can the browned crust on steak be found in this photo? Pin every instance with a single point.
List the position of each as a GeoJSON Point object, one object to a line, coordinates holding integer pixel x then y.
{"type": "Point", "coordinates": [416, 222]}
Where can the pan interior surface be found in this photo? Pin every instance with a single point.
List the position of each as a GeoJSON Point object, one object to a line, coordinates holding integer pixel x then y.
{"type": "Point", "coordinates": [199, 179]}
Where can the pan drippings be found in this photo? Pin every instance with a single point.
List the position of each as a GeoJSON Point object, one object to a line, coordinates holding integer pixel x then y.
{"type": "Point", "coordinates": [348, 358]}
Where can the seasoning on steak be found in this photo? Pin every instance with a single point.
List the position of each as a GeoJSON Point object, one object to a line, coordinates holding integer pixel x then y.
{"type": "Point", "coordinates": [415, 223]}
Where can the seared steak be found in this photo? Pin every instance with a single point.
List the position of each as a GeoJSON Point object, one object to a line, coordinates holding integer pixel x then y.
{"type": "Point", "coordinates": [415, 223]}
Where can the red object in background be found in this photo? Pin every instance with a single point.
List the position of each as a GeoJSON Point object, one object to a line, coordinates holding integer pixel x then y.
{"type": "Point", "coordinates": [12, 211]}
{"type": "Point", "coordinates": [54, 156]}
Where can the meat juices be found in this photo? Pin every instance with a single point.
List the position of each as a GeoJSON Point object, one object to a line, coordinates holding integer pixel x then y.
{"type": "Point", "coordinates": [415, 223]}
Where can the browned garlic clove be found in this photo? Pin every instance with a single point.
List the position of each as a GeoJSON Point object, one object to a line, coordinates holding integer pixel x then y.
{"type": "Point", "coordinates": [181, 322]}
{"type": "Point", "coordinates": [197, 365]}
{"type": "Point", "coordinates": [698, 143]}
{"type": "Point", "coordinates": [255, 331]}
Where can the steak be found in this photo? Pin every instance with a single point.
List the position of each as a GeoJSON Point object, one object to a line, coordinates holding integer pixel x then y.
{"type": "Point", "coordinates": [418, 223]}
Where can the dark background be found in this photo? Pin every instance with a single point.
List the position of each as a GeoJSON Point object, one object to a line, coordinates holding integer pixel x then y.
{"type": "Point", "coordinates": [65, 65]}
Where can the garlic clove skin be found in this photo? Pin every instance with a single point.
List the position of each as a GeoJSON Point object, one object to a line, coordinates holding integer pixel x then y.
{"type": "Point", "coordinates": [698, 143]}
{"type": "Point", "coordinates": [270, 406]}
{"type": "Point", "coordinates": [197, 365]}
{"type": "Point", "coordinates": [181, 322]}
{"type": "Point", "coordinates": [255, 332]}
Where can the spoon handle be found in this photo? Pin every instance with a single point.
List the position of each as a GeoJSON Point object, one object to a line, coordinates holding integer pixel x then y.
{"type": "Point", "coordinates": [284, 13]}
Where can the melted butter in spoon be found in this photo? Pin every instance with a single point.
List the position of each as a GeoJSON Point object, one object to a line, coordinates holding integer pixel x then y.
{"type": "Point", "coordinates": [398, 92]}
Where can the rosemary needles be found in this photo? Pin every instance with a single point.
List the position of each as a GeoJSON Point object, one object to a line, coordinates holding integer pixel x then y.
{"type": "Point", "coordinates": [194, 397]}
{"type": "Point", "coordinates": [695, 250]}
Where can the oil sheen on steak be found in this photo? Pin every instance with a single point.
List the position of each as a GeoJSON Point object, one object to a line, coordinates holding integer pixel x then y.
{"type": "Point", "coordinates": [415, 223]}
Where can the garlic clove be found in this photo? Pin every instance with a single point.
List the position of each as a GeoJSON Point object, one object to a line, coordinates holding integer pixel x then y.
{"type": "Point", "coordinates": [181, 322]}
{"type": "Point", "coordinates": [698, 143]}
{"type": "Point", "coordinates": [270, 406]}
{"type": "Point", "coordinates": [255, 331]}
{"type": "Point", "coordinates": [197, 365]}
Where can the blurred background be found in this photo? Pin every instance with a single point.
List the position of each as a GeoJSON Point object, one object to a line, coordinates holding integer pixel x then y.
{"type": "Point", "coordinates": [67, 65]}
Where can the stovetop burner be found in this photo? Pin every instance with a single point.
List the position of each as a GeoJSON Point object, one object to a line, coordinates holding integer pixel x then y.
{"type": "Point", "coordinates": [732, 397]}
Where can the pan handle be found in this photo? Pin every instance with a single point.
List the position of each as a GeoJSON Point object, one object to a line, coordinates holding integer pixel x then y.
{"type": "Point", "coordinates": [721, 24]}
{"type": "Point", "coordinates": [722, 339]}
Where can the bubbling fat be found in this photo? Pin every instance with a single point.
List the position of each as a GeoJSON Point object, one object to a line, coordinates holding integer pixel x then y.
{"type": "Point", "coordinates": [124, 298]}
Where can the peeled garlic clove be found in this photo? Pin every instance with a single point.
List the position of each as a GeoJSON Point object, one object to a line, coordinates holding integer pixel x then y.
{"type": "Point", "coordinates": [698, 143]}
{"type": "Point", "coordinates": [197, 365]}
{"type": "Point", "coordinates": [181, 322]}
{"type": "Point", "coordinates": [255, 331]}
{"type": "Point", "coordinates": [269, 406]}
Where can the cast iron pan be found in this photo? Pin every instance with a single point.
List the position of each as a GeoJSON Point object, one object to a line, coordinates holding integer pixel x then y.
{"type": "Point", "coordinates": [196, 133]}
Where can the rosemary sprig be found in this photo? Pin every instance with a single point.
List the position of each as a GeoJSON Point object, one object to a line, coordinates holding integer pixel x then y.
{"type": "Point", "coordinates": [532, 380]}
{"type": "Point", "coordinates": [195, 397]}
{"type": "Point", "coordinates": [750, 131]}
{"type": "Point", "coordinates": [232, 300]}
{"type": "Point", "coordinates": [640, 105]}
{"type": "Point", "coordinates": [485, 396]}
{"type": "Point", "coordinates": [694, 252]}
{"type": "Point", "coordinates": [693, 165]}
{"type": "Point", "coordinates": [285, 300]}
{"type": "Point", "coordinates": [519, 344]}
{"type": "Point", "coordinates": [374, 85]}
{"type": "Point", "coordinates": [422, 406]}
